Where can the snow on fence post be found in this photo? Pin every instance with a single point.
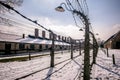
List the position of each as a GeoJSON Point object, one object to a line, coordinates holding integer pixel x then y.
{"type": "Point", "coordinates": [113, 58]}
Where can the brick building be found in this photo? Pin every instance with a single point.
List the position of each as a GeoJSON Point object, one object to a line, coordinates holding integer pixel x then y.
{"type": "Point", "coordinates": [113, 42]}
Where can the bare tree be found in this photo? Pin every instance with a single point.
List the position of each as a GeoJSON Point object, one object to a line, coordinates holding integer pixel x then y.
{"type": "Point", "coordinates": [12, 3]}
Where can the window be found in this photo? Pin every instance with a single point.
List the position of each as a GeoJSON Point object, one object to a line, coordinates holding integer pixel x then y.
{"type": "Point", "coordinates": [117, 45]}
{"type": "Point", "coordinates": [46, 46]}
{"type": "Point", "coordinates": [32, 46]}
{"type": "Point", "coordinates": [22, 46]}
{"type": "Point", "coordinates": [40, 46]}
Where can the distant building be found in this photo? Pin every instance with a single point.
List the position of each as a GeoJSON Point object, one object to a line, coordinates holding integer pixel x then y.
{"type": "Point", "coordinates": [12, 43]}
{"type": "Point", "coordinates": [113, 42]}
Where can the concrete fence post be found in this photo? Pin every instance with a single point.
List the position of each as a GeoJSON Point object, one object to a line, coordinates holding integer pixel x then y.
{"type": "Point", "coordinates": [113, 59]}
{"type": "Point", "coordinates": [79, 48]}
{"type": "Point", "coordinates": [52, 51]}
{"type": "Point", "coordinates": [107, 52]}
{"type": "Point", "coordinates": [71, 48]}
{"type": "Point", "coordinates": [29, 53]}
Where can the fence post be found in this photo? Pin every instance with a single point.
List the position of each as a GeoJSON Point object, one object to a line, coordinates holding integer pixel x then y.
{"type": "Point", "coordinates": [52, 51]}
{"type": "Point", "coordinates": [94, 52]}
{"type": "Point", "coordinates": [107, 52]}
{"type": "Point", "coordinates": [28, 53]}
{"type": "Point", "coordinates": [29, 56]}
{"type": "Point", "coordinates": [95, 48]}
{"type": "Point", "coordinates": [113, 58]}
{"type": "Point", "coordinates": [62, 50]}
{"type": "Point", "coordinates": [71, 48]}
{"type": "Point", "coordinates": [79, 48]}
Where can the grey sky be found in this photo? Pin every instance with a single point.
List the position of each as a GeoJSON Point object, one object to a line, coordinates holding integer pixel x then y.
{"type": "Point", "coordinates": [104, 16]}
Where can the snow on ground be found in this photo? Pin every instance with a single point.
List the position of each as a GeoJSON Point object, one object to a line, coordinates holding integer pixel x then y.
{"type": "Point", "coordinates": [13, 70]}
{"type": "Point", "coordinates": [68, 70]}
{"type": "Point", "coordinates": [104, 69]}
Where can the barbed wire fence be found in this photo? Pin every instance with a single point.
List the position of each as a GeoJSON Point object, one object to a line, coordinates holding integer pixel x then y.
{"type": "Point", "coordinates": [81, 7]}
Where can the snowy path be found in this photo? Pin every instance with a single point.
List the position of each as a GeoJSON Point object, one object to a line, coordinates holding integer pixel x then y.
{"type": "Point", "coordinates": [104, 69]}
{"type": "Point", "coordinates": [13, 70]}
{"type": "Point", "coordinates": [68, 70]}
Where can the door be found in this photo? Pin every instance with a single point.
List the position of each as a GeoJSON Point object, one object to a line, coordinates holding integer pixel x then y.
{"type": "Point", "coordinates": [117, 45]}
{"type": "Point", "coordinates": [40, 47]}
{"type": "Point", "coordinates": [7, 48]}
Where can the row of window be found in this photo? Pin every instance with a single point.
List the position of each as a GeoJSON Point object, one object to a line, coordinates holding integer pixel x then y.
{"type": "Point", "coordinates": [32, 46]}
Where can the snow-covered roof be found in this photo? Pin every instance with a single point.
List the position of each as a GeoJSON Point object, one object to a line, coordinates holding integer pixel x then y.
{"type": "Point", "coordinates": [40, 41]}
{"type": "Point", "coordinates": [112, 37]}
{"type": "Point", "coordinates": [15, 38]}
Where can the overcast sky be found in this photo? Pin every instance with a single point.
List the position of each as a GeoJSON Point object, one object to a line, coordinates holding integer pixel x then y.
{"type": "Point", "coordinates": [104, 16]}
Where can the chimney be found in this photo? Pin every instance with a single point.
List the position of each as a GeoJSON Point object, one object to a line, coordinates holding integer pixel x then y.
{"type": "Point", "coordinates": [65, 39]}
{"type": "Point", "coordinates": [50, 36]}
{"type": "Point", "coordinates": [68, 40]}
{"type": "Point", "coordinates": [55, 37]}
{"type": "Point", "coordinates": [23, 36]}
{"type": "Point", "coordinates": [58, 37]}
{"type": "Point", "coordinates": [36, 33]}
{"type": "Point", "coordinates": [62, 38]}
{"type": "Point", "coordinates": [43, 34]}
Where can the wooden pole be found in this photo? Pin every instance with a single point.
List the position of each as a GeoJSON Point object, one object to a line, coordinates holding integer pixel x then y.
{"type": "Point", "coordinates": [71, 48]}
{"type": "Point", "coordinates": [107, 52]}
{"type": "Point", "coordinates": [79, 48]}
{"type": "Point", "coordinates": [52, 51]}
{"type": "Point", "coordinates": [94, 51]}
{"type": "Point", "coordinates": [29, 53]}
{"type": "Point", "coordinates": [113, 58]}
{"type": "Point", "coordinates": [86, 75]}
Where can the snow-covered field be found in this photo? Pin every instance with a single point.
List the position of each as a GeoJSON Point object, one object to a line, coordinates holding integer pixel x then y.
{"type": "Point", "coordinates": [104, 69]}
{"type": "Point", "coordinates": [68, 70]}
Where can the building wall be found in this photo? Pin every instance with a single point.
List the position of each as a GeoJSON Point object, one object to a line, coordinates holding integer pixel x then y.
{"type": "Point", "coordinates": [107, 44]}
{"type": "Point", "coordinates": [2, 46]}
{"type": "Point", "coordinates": [113, 43]}
{"type": "Point", "coordinates": [116, 42]}
{"type": "Point", "coordinates": [36, 47]}
{"type": "Point", "coordinates": [27, 46]}
{"type": "Point", "coordinates": [13, 46]}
